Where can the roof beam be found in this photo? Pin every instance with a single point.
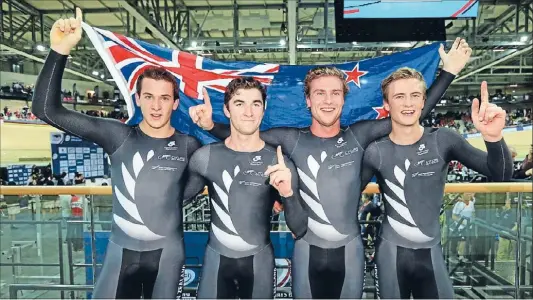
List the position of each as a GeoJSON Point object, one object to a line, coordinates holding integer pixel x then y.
{"type": "Point", "coordinates": [41, 60]}
{"type": "Point", "coordinates": [508, 54]}
{"type": "Point", "coordinates": [142, 18]}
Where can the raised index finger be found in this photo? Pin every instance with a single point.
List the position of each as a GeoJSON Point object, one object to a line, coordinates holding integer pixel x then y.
{"type": "Point", "coordinates": [484, 93]}
{"type": "Point", "coordinates": [207, 100]}
{"type": "Point", "coordinates": [281, 160]}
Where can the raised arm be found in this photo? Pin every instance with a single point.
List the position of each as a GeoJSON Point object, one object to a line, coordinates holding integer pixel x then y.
{"type": "Point", "coordinates": [196, 169]}
{"type": "Point", "coordinates": [47, 105]}
{"type": "Point", "coordinates": [284, 178]}
{"type": "Point", "coordinates": [489, 120]}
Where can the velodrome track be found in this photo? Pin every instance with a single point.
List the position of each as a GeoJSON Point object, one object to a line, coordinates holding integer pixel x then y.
{"type": "Point", "coordinates": [30, 143]}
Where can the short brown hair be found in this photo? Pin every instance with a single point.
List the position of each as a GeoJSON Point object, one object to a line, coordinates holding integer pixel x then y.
{"type": "Point", "coordinates": [401, 73]}
{"type": "Point", "coordinates": [158, 73]}
{"type": "Point", "coordinates": [243, 83]}
{"type": "Point", "coordinates": [322, 71]}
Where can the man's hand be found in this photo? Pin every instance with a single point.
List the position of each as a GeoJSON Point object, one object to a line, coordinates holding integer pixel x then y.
{"type": "Point", "coordinates": [280, 176]}
{"type": "Point", "coordinates": [489, 119]}
{"type": "Point", "coordinates": [455, 60]}
{"type": "Point", "coordinates": [66, 33]}
{"type": "Point", "coordinates": [202, 114]}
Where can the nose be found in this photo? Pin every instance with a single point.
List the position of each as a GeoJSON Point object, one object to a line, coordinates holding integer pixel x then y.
{"type": "Point", "coordinates": [156, 105]}
{"type": "Point", "coordinates": [248, 112]}
{"type": "Point", "coordinates": [328, 99]}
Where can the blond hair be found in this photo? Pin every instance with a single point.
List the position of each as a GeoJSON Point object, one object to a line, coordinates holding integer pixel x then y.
{"type": "Point", "coordinates": [323, 71]}
{"type": "Point", "coordinates": [402, 73]}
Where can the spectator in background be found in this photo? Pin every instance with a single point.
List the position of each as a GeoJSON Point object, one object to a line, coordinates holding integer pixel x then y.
{"type": "Point", "coordinates": [526, 168]}
{"type": "Point", "coordinates": [277, 216]}
{"type": "Point", "coordinates": [464, 209]}
{"type": "Point", "coordinates": [507, 218]}
{"type": "Point", "coordinates": [368, 211]}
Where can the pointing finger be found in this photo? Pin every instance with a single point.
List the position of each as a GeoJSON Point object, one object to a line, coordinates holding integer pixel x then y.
{"type": "Point", "coordinates": [281, 160]}
{"type": "Point", "coordinates": [79, 15]}
{"type": "Point", "coordinates": [207, 100]}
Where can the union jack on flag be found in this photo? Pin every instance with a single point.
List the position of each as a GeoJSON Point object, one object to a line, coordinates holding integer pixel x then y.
{"type": "Point", "coordinates": [127, 58]}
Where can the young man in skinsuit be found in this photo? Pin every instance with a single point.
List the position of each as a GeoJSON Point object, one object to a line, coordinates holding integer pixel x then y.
{"type": "Point", "coordinates": [145, 255]}
{"type": "Point", "coordinates": [239, 259]}
{"type": "Point", "coordinates": [411, 166]}
{"type": "Point", "coordinates": [328, 262]}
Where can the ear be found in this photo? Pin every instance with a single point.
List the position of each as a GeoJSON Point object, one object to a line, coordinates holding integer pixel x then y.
{"type": "Point", "coordinates": [386, 105]}
{"type": "Point", "coordinates": [176, 104]}
{"type": "Point", "coordinates": [226, 111]}
{"type": "Point", "coordinates": [308, 102]}
{"type": "Point", "coordinates": [137, 100]}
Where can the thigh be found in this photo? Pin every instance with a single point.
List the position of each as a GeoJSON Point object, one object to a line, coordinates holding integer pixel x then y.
{"type": "Point", "coordinates": [301, 288]}
{"type": "Point", "coordinates": [108, 279]}
{"type": "Point", "coordinates": [264, 275]}
{"type": "Point", "coordinates": [169, 280]}
{"type": "Point", "coordinates": [354, 270]}
{"type": "Point", "coordinates": [153, 263]}
{"type": "Point", "coordinates": [437, 283]}
{"type": "Point", "coordinates": [387, 273]}
{"type": "Point", "coordinates": [210, 284]}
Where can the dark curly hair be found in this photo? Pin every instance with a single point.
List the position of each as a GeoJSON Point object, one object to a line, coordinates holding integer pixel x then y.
{"type": "Point", "coordinates": [243, 83]}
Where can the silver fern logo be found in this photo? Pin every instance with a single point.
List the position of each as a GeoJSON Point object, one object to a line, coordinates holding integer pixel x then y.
{"type": "Point", "coordinates": [231, 240]}
{"type": "Point", "coordinates": [411, 231]}
{"type": "Point", "coordinates": [325, 231]}
{"type": "Point", "coordinates": [137, 231]}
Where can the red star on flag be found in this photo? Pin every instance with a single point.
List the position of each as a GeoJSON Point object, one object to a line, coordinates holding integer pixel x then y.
{"type": "Point", "coordinates": [354, 75]}
{"type": "Point", "coordinates": [382, 113]}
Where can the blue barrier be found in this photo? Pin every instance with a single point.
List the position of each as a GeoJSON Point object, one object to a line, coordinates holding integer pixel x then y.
{"type": "Point", "coordinates": [195, 244]}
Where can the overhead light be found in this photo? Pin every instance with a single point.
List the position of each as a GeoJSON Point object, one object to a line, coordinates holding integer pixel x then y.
{"type": "Point", "coordinates": [497, 50]}
{"type": "Point", "coordinates": [95, 73]}
{"type": "Point", "coordinates": [194, 44]}
{"type": "Point", "coordinates": [386, 51]}
{"type": "Point", "coordinates": [354, 43]}
{"type": "Point", "coordinates": [524, 38]}
{"type": "Point", "coordinates": [513, 85]}
{"type": "Point", "coordinates": [428, 42]}
{"type": "Point", "coordinates": [317, 52]}
{"type": "Point", "coordinates": [102, 76]}
{"type": "Point", "coordinates": [282, 42]}
{"type": "Point", "coordinates": [41, 48]}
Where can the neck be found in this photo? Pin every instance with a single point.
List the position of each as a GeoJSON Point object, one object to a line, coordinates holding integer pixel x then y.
{"type": "Point", "coordinates": [162, 132]}
{"type": "Point", "coordinates": [322, 131]}
{"type": "Point", "coordinates": [244, 143]}
{"type": "Point", "coordinates": [406, 135]}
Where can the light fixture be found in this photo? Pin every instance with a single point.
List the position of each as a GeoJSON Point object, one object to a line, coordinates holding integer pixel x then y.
{"type": "Point", "coordinates": [282, 42]}
{"type": "Point", "coordinates": [41, 48]}
{"type": "Point", "coordinates": [194, 44]}
{"type": "Point", "coordinates": [524, 38]}
{"type": "Point", "coordinates": [102, 76]}
{"type": "Point", "coordinates": [95, 73]}
{"type": "Point", "coordinates": [354, 43]}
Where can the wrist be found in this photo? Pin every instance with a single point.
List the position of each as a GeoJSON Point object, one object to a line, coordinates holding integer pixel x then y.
{"type": "Point", "coordinates": [451, 70]}
{"type": "Point", "coordinates": [492, 138]}
{"type": "Point", "coordinates": [61, 50]}
{"type": "Point", "coordinates": [209, 127]}
{"type": "Point", "coordinates": [287, 195]}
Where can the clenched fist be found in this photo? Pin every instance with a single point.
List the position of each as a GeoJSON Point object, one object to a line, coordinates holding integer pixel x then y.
{"type": "Point", "coordinates": [66, 33]}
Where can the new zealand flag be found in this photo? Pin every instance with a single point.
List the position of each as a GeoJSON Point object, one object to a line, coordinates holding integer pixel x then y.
{"type": "Point", "coordinates": [126, 58]}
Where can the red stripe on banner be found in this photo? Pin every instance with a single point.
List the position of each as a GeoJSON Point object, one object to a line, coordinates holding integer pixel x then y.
{"type": "Point", "coordinates": [351, 11]}
{"type": "Point", "coordinates": [135, 76]}
{"type": "Point", "coordinates": [126, 41]}
{"type": "Point", "coordinates": [273, 70]}
{"type": "Point", "coordinates": [120, 54]}
{"type": "Point", "coordinates": [468, 4]}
